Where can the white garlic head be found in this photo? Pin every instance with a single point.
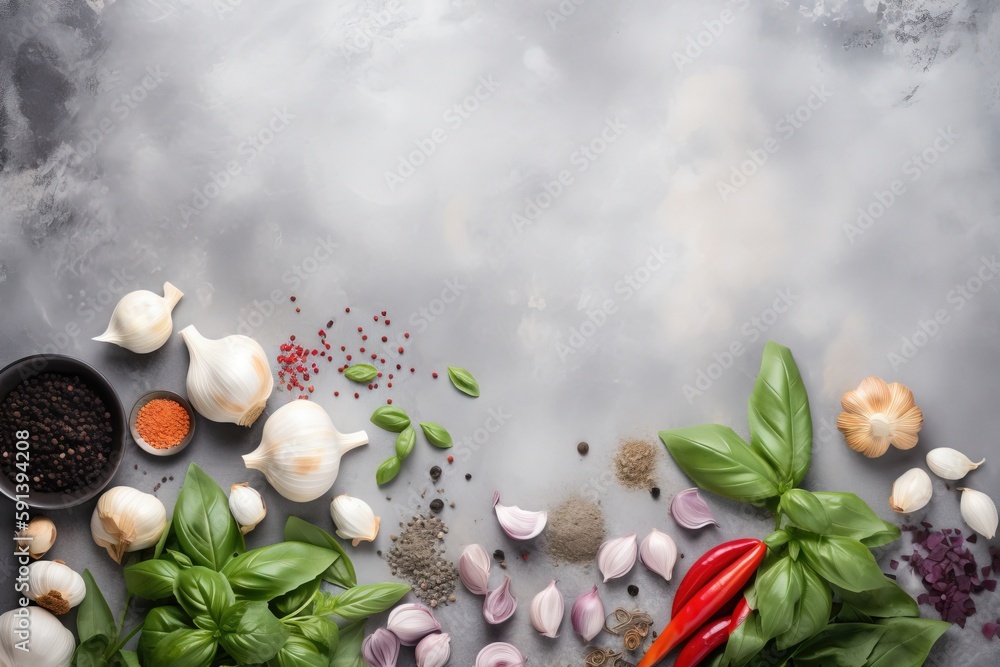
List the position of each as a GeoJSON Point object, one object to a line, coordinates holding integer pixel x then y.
{"type": "Point", "coordinates": [247, 506]}
{"type": "Point", "coordinates": [50, 644]}
{"type": "Point", "coordinates": [55, 586]}
{"type": "Point", "coordinates": [142, 321]}
{"type": "Point", "coordinates": [127, 520]}
{"type": "Point", "coordinates": [38, 536]}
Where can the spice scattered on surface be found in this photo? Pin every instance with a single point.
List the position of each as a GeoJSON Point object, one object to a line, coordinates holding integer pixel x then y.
{"type": "Point", "coordinates": [436, 473]}
{"type": "Point", "coordinates": [468, 476]}
{"type": "Point", "coordinates": [583, 448]}
{"type": "Point", "coordinates": [633, 590]}
{"type": "Point", "coordinates": [437, 505]}
{"type": "Point", "coordinates": [635, 463]}
{"type": "Point", "coordinates": [499, 555]}
{"type": "Point", "coordinates": [575, 531]}
{"type": "Point", "coordinates": [417, 556]}
{"type": "Point", "coordinates": [655, 492]}
{"type": "Point", "coordinates": [163, 423]}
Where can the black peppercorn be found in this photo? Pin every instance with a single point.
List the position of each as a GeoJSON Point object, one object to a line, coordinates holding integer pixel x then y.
{"type": "Point", "coordinates": [437, 505]}
{"type": "Point", "coordinates": [583, 448]}
{"type": "Point", "coordinates": [435, 473]}
{"type": "Point", "coordinates": [633, 590]}
{"type": "Point", "coordinates": [468, 476]}
{"type": "Point", "coordinates": [499, 556]}
{"type": "Point", "coordinates": [655, 492]}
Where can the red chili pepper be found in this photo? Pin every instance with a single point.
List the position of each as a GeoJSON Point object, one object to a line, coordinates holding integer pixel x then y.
{"type": "Point", "coordinates": [705, 604]}
{"type": "Point", "coordinates": [711, 636]}
{"type": "Point", "coordinates": [707, 567]}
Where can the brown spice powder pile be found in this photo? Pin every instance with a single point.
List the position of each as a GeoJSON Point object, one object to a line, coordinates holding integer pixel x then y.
{"type": "Point", "coordinates": [418, 557]}
{"type": "Point", "coordinates": [635, 464]}
{"type": "Point", "coordinates": [575, 531]}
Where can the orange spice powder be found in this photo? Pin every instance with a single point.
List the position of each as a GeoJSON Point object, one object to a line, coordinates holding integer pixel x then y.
{"type": "Point", "coordinates": [162, 423]}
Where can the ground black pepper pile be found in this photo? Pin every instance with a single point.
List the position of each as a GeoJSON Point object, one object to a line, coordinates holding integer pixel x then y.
{"type": "Point", "coordinates": [418, 557]}
{"type": "Point", "coordinates": [70, 432]}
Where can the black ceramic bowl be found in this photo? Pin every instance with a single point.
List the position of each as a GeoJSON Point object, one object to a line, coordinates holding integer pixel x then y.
{"type": "Point", "coordinates": [22, 369]}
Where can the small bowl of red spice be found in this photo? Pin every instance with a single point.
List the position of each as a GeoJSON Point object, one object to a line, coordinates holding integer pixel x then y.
{"type": "Point", "coordinates": [162, 423]}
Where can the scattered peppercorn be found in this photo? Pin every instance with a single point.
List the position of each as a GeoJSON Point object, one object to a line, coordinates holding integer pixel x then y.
{"type": "Point", "coordinates": [633, 590]}
{"type": "Point", "coordinates": [499, 555]}
{"type": "Point", "coordinates": [437, 505]}
{"type": "Point", "coordinates": [433, 375]}
{"type": "Point", "coordinates": [451, 459]}
{"type": "Point", "coordinates": [468, 476]}
{"type": "Point", "coordinates": [435, 473]}
{"type": "Point", "coordinates": [583, 448]}
{"type": "Point", "coordinates": [292, 298]}
{"type": "Point", "coordinates": [655, 492]}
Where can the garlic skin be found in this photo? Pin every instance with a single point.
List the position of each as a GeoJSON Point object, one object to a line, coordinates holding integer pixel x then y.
{"type": "Point", "coordinates": [980, 512]}
{"type": "Point", "coordinates": [911, 492]}
{"type": "Point", "coordinates": [37, 537]}
{"type": "Point", "coordinates": [55, 586]}
{"type": "Point", "coordinates": [547, 609]}
{"type": "Point", "coordinates": [616, 557]}
{"type": "Point", "coordinates": [434, 650]}
{"type": "Point", "coordinates": [412, 622]}
{"type": "Point", "coordinates": [142, 321]}
{"type": "Point", "coordinates": [948, 463]}
{"type": "Point", "coordinates": [355, 519]}
{"type": "Point", "coordinates": [588, 615]}
{"type": "Point", "coordinates": [300, 451]}
{"type": "Point", "coordinates": [127, 520]}
{"type": "Point", "coordinates": [500, 654]}
{"type": "Point", "coordinates": [50, 643]}
{"type": "Point", "coordinates": [247, 506]}
{"type": "Point", "coordinates": [474, 569]}
{"type": "Point", "coordinates": [658, 552]}
{"type": "Point", "coordinates": [380, 649]}
{"type": "Point", "coordinates": [229, 379]}
{"type": "Point", "coordinates": [499, 604]}
{"type": "Point", "coordinates": [519, 524]}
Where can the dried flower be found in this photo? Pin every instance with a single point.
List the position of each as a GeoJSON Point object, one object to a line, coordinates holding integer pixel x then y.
{"type": "Point", "coordinates": [876, 415]}
{"type": "Point", "coordinates": [616, 557]}
{"type": "Point", "coordinates": [912, 491]}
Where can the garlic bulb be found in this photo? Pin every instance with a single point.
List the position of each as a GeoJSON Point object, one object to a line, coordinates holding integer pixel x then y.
{"type": "Point", "coordinates": [229, 379]}
{"type": "Point", "coordinates": [48, 644]}
{"type": "Point", "coordinates": [948, 463]}
{"type": "Point", "coordinates": [126, 520]}
{"type": "Point", "coordinates": [878, 414]}
{"type": "Point", "coordinates": [247, 506]}
{"type": "Point", "coordinates": [142, 320]}
{"type": "Point", "coordinates": [55, 586]}
{"type": "Point", "coordinates": [300, 451]}
{"type": "Point", "coordinates": [980, 512]}
{"type": "Point", "coordinates": [355, 519]}
{"type": "Point", "coordinates": [37, 537]}
{"type": "Point", "coordinates": [912, 491]}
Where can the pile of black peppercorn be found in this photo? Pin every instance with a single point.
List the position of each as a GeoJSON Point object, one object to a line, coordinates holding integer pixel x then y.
{"type": "Point", "coordinates": [70, 432]}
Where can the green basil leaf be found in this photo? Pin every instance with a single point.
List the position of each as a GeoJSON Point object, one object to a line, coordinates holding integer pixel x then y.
{"type": "Point", "coordinates": [885, 601]}
{"type": "Point", "coordinates": [839, 645]}
{"type": "Point", "coordinates": [851, 517]}
{"type": "Point", "coordinates": [361, 602]}
{"type": "Point", "coordinates": [300, 652]}
{"type": "Point", "coordinates": [779, 587]}
{"type": "Point", "coordinates": [805, 510]}
{"type": "Point", "coordinates": [90, 652]}
{"type": "Point", "coordinates": [463, 381]}
{"type": "Point", "coordinates": [906, 642]}
{"type": "Point", "coordinates": [160, 622]}
{"type": "Point", "coordinates": [841, 561]}
{"type": "Point", "coordinates": [126, 659]}
{"type": "Point", "coordinates": [348, 652]}
{"type": "Point", "coordinates": [179, 558]}
{"type": "Point", "coordinates": [718, 460]}
{"type": "Point", "coordinates": [294, 600]}
{"type": "Point", "coordinates": [745, 642]}
{"type": "Point", "coordinates": [151, 579]}
{"type": "Point", "coordinates": [184, 648]}
{"type": "Point", "coordinates": [341, 572]}
{"type": "Point", "coordinates": [251, 633]}
{"type": "Point", "coordinates": [361, 373]}
{"type": "Point", "coordinates": [812, 611]}
{"type": "Point", "coordinates": [318, 629]}
{"type": "Point", "coordinates": [168, 534]}
{"type": "Point", "coordinates": [405, 441]}
{"type": "Point", "coordinates": [274, 570]}
{"type": "Point", "coordinates": [94, 618]}
{"type": "Point", "coordinates": [436, 434]}
{"type": "Point", "coordinates": [849, 614]}
{"type": "Point", "coordinates": [206, 530]}
{"type": "Point", "coordinates": [390, 418]}
{"type": "Point", "coordinates": [204, 595]}
{"type": "Point", "coordinates": [780, 423]}
{"type": "Point", "coordinates": [387, 470]}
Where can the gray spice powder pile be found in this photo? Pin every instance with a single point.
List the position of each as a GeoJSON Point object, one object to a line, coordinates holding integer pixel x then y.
{"type": "Point", "coordinates": [635, 463]}
{"type": "Point", "coordinates": [417, 556]}
{"type": "Point", "coordinates": [575, 531]}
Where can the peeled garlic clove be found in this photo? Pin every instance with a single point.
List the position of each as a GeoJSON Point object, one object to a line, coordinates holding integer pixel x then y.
{"type": "Point", "coordinates": [142, 321]}
{"type": "Point", "coordinates": [37, 537]}
{"type": "Point", "coordinates": [912, 491]}
{"type": "Point", "coordinates": [588, 615]}
{"type": "Point", "coordinates": [519, 524]}
{"type": "Point", "coordinates": [355, 519]}
{"type": "Point", "coordinates": [411, 623]}
{"type": "Point", "coordinates": [50, 644]}
{"type": "Point", "coordinates": [127, 520]}
{"type": "Point", "coordinates": [616, 557]}
{"type": "Point", "coordinates": [547, 610]}
{"type": "Point", "coordinates": [980, 512]}
{"type": "Point", "coordinates": [658, 552]}
{"type": "Point", "coordinates": [948, 463]}
{"type": "Point", "coordinates": [380, 649]}
{"type": "Point", "coordinates": [499, 604]}
{"type": "Point", "coordinates": [247, 506]}
{"type": "Point", "coordinates": [229, 379]}
{"type": "Point", "coordinates": [433, 650]}
{"type": "Point", "coordinates": [474, 569]}
{"type": "Point", "coordinates": [55, 586]}
{"type": "Point", "coordinates": [500, 654]}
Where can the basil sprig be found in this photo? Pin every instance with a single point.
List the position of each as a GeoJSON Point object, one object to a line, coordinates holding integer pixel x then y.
{"type": "Point", "coordinates": [820, 598]}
